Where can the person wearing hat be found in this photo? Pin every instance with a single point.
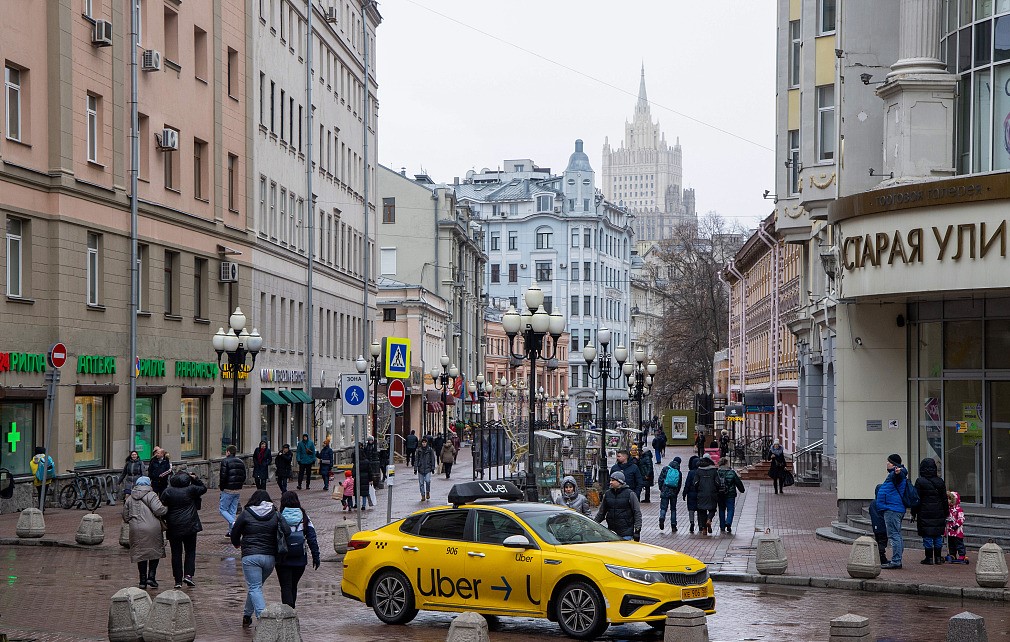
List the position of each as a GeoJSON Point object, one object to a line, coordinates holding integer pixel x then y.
{"type": "Point", "coordinates": [426, 461]}
{"type": "Point", "coordinates": [620, 508]}
{"type": "Point", "coordinates": [632, 473]}
{"type": "Point", "coordinates": [143, 512]}
{"type": "Point", "coordinates": [644, 462]}
{"type": "Point", "coordinates": [892, 507]}
{"type": "Point", "coordinates": [727, 500]}
{"type": "Point", "coordinates": [670, 483]}
{"type": "Point", "coordinates": [709, 486]}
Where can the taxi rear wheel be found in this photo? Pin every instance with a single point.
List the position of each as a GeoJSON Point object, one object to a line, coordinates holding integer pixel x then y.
{"type": "Point", "coordinates": [393, 598]}
{"type": "Point", "coordinates": [580, 611]}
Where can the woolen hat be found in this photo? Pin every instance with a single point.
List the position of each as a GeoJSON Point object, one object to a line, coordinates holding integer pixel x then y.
{"type": "Point", "coordinates": [347, 473]}
{"type": "Point", "coordinates": [618, 475]}
{"type": "Point", "coordinates": [894, 458]}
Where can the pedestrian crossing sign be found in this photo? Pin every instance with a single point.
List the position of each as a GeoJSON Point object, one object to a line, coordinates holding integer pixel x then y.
{"type": "Point", "coordinates": [397, 361]}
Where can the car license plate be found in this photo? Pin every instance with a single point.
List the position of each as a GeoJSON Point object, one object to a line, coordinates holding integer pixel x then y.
{"type": "Point", "coordinates": [693, 593]}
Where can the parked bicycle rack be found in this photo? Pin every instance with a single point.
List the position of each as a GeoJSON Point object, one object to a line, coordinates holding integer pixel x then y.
{"type": "Point", "coordinates": [109, 487]}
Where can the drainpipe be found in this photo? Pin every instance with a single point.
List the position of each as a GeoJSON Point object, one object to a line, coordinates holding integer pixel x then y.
{"type": "Point", "coordinates": [134, 174]}
{"type": "Point", "coordinates": [311, 211]}
{"type": "Point", "coordinates": [773, 245]}
{"type": "Point", "coordinates": [731, 268]}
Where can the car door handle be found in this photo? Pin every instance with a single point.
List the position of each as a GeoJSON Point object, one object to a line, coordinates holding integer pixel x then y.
{"type": "Point", "coordinates": [475, 554]}
{"type": "Point", "coordinates": [411, 548]}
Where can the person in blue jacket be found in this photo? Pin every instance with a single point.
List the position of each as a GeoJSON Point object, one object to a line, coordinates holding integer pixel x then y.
{"type": "Point", "coordinates": [892, 508]}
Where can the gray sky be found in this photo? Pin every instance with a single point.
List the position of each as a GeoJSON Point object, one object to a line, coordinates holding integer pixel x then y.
{"type": "Point", "coordinates": [465, 84]}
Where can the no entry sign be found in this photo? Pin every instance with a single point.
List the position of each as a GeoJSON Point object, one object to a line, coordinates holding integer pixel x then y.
{"type": "Point", "coordinates": [57, 355]}
{"type": "Point", "coordinates": [396, 393]}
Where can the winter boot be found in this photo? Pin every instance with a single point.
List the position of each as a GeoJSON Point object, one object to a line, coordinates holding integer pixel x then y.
{"type": "Point", "coordinates": [938, 556]}
{"type": "Point", "coordinates": [929, 557]}
{"type": "Point", "coordinates": [662, 523]}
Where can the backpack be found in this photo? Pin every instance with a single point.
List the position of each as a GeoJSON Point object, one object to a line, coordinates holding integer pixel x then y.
{"type": "Point", "coordinates": [910, 496]}
{"type": "Point", "coordinates": [296, 544]}
{"type": "Point", "coordinates": [672, 479]}
{"type": "Point", "coordinates": [49, 470]}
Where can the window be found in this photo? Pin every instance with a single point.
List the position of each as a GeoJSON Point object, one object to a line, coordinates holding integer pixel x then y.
{"type": "Point", "coordinates": [90, 422]}
{"type": "Point", "coordinates": [514, 302]}
{"type": "Point", "coordinates": [493, 528]}
{"type": "Point", "coordinates": [143, 252]}
{"type": "Point", "coordinates": [587, 239]}
{"type": "Point", "coordinates": [575, 237]}
{"type": "Point", "coordinates": [387, 260]}
{"type": "Point", "coordinates": [233, 182]}
{"type": "Point", "coordinates": [513, 272]}
{"type": "Point", "coordinates": [388, 210]}
{"type": "Point", "coordinates": [587, 272]}
{"type": "Point", "coordinates": [585, 205]}
{"type": "Point", "coordinates": [171, 168]}
{"type": "Point", "coordinates": [825, 17]}
{"type": "Point", "coordinates": [273, 94]}
{"type": "Point", "coordinates": [283, 104]}
{"type": "Point", "coordinates": [263, 99]}
{"type": "Point", "coordinates": [15, 263]}
{"type": "Point", "coordinates": [192, 413]}
{"type": "Point", "coordinates": [495, 240]}
{"type": "Point", "coordinates": [513, 240]}
{"type": "Point", "coordinates": [575, 271]}
{"type": "Point", "coordinates": [389, 314]}
{"type": "Point", "coordinates": [587, 305]}
{"type": "Point", "coordinates": [545, 203]}
{"type": "Point", "coordinates": [170, 283]}
{"type": "Point", "coordinates": [171, 35]}
{"type": "Point", "coordinates": [18, 422]}
{"type": "Point", "coordinates": [233, 73]}
{"type": "Point", "coordinates": [794, 161]}
{"type": "Point", "coordinates": [795, 43]}
{"type": "Point", "coordinates": [826, 123]}
{"type": "Point", "coordinates": [144, 127]}
{"type": "Point", "coordinates": [543, 271]}
{"type": "Point", "coordinates": [12, 85]}
{"type": "Point", "coordinates": [200, 288]}
{"type": "Point", "coordinates": [200, 53]}
{"type": "Point", "coordinates": [574, 307]}
{"type": "Point", "coordinates": [94, 266]}
{"type": "Point", "coordinates": [446, 524]}
{"type": "Point", "coordinates": [544, 238]}
{"type": "Point", "coordinates": [495, 273]}
{"type": "Point", "coordinates": [549, 304]}
{"type": "Point", "coordinates": [200, 162]}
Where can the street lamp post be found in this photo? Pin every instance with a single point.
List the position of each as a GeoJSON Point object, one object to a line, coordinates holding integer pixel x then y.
{"type": "Point", "coordinates": [534, 325]}
{"type": "Point", "coordinates": [589, 353]}
{"type": "Point", "coordinates": [374, 371]}
{"type": "Point", "coordinates": [442, 383]}
{"type": "Point", "coordinates": [640, 377]}
{"type": "Point", "coordinates": [481, 389]}
{"type": "Point", "coordinates": [238, 344]}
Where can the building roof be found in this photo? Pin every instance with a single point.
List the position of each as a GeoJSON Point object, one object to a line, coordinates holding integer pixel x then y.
{"type": "Point", "coordinates": [578, 161]}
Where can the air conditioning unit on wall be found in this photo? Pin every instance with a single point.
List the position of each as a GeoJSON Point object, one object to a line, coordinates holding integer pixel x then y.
{"type": "Point", "coordinates": [168, 140]}
{"type": "Point", "coordinates": [331, 15]}
{"type": "Point", "coordinates": [229, 272]}
{"type": "Point", "coordinates": [151, 60]}
{"type": "Point", "coordinates": [101, 33]}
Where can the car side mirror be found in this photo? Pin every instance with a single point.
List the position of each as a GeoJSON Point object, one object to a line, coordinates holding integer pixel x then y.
{"type": "Point", "coordinates": [516, 541]}
{"type": "Point", "coordinates": [6, 484]}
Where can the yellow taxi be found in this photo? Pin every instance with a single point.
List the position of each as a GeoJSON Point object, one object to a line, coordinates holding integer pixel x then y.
{"type": "Point", "coordinates": [492, 554]}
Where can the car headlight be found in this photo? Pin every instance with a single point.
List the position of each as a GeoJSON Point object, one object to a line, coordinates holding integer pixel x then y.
{"type": "Point", "coordinates": [636, 574]}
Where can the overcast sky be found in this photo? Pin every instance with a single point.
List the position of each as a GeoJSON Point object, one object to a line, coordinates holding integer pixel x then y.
{"type": "Point", "coordinates": [466, 84]}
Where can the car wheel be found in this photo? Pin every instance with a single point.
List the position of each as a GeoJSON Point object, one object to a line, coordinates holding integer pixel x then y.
{"type": "Point", "coordinates": [580, 611]}
{"type": "Point", "coordinates": [392, 598]}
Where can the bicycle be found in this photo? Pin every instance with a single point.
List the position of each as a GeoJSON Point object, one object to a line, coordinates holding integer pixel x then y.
{"type": "Point", "coordinates": [81, 493]}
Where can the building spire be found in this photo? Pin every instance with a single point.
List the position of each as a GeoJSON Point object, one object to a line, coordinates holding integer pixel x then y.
{"type": "Point", "coordinates": [643, 99]}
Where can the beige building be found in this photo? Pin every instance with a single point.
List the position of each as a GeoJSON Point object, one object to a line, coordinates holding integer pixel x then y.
{"type": "Point", "coordinates": [64, 201]}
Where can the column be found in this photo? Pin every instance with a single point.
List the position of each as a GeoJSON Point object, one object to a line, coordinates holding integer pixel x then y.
{"type": "Point", "coordinates": [919, 38]}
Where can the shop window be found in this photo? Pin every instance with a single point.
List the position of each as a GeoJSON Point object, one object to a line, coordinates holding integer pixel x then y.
{"type": "Point", "coordinates": [91, 418]}
{"type": "Point", "coordinates": [191, 426]}
{"type": "Point", "coordinates": [17, 435]}
{"type": "Point", "coordinates": [147, 429]}
{"type": "Point", "coordinates": [997, 344]}
{"type": "Point", "coordinates": [962, 345]}
{"type": "Point", "coordinates": [227, 436]}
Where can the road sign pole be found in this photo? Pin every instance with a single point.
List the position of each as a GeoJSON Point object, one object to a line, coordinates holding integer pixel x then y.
{"type": "Point", "coordinates": [52, 378]}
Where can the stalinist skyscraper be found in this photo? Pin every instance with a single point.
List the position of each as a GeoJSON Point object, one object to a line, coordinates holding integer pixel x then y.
{"type": "Point", "coordinates": [646, 175]}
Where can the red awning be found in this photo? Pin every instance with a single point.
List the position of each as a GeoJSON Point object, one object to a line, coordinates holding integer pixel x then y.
{"type": "Point", "coordinates": [433, 406]}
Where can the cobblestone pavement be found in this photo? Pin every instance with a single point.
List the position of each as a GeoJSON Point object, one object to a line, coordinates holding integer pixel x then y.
{"type": "Point", "coordinates": [61, 593]}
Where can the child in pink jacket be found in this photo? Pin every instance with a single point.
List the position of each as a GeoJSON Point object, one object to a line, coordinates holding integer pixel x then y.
{"type": "Point", "coordinates": [346, 491]}
{"type": "Point", "coordinates": [955, 530]}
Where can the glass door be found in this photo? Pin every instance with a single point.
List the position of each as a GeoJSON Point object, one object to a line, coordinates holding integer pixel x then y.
{"type": "Point", "coordinates": [147, 426]}
{"type": "Point", "coordinates": [964, 422]}
{"type": "Point", "coordinates": [999, 442]}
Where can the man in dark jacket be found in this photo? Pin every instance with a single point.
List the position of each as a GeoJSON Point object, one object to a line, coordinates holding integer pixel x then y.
{"type": "Point", "coordinates": [410, 445]}
{"type": "Point", "coordinates": [255, 531]}
{"type": "Point", "coordinates": [707, 483]}
{"type": "Point", "coordinates": [282, 463]}
{"type": "Point", "coordinates": [691, 490]}
{"type": "Point", "coordinates": [159, 469]}
{"type": "Point", "coordinates": [230, 480]}
{"type": "Point", "coordinates": [670, 482]}
{"type": "Point", "coordinates": [306, 457]}
{"type": "Point", "coordinates": [647, 470]}
{"type": "Point", "coordinates": [425, 462]}
{"type": "Point", "coordinates": [182, 499]}
{"type": "Point", "coordinates": [932, 511]}
{"type": "Point", "coordinates": [727, 501]}
{"type": "Point", "coordinates": [632, 474]}
{"type": "Point", "coordinates": [659, 444]}
{"type": "Point", "coordinates": [620, 508]}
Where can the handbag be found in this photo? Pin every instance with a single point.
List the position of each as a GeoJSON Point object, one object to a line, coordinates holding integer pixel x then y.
{"type": "Point", "coordinates": [787, 478]}
{"type": "Point", "coordinates": [282, 538]}
{"type": "Point", "coordinates": [124, 535]}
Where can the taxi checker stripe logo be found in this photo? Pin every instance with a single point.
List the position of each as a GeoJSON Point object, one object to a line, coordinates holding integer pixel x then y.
{"type": "Point", "coordinates": [380, 544]}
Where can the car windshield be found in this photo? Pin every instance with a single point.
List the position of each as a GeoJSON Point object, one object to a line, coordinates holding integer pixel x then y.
{"type": "Point", "coordinates": [567, 527]}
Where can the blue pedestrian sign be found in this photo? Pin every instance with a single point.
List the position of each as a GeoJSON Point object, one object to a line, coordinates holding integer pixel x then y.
{"type": "Point", "coordinates": [354, 388]}
{"type": "Point", "coordinates": [397, 359]}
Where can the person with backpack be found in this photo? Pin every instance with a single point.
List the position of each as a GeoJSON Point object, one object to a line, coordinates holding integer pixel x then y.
{"type": "Point", "coordinates": [709, 486]}
{"type": "Point", "coordinates": [777, 468]}
{"type": "Point", "coordinates": [659, 445]}
{"type": "Point", "coordinates": [300, 532]}
{"type": "Point", "coordinates": [891, 504]}
{"type": "Point", "coordinates": [255, 532]}
{"type": "Point", "coordinates": [669, 489]}
{"type": "Point", "coordinates": [727, 500]}
{"type": "Point", "coordinates": [932, 511]}
{"type": "Point", "coordinates": [182, 499]}
{"type": "Point", "coordinates": [42, 471]}
{"type": "Point", "coordinates": [132, 470]}
{"type": "Point", "coordinates": [691, 490]}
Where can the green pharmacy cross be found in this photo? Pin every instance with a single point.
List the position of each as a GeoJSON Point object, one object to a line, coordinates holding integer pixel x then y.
{"type": "Point", "coordinates": [13, 437]}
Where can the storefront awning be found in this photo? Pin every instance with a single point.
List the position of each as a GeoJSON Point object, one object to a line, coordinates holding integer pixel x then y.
{"type": "Point", "coordinates": [289, 396]}
{"type": "Point", "coordinates": [271, 398]}
{"type": "Point", "coordinates": [301, 396]}
{"type": "Point", "coordinates": [433, 406]}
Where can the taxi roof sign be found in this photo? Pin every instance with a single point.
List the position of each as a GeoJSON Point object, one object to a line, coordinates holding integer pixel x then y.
{"type": "Point", "coordinates": [468, 492]}
{"type": "Point", "coordinates": [397, 358]}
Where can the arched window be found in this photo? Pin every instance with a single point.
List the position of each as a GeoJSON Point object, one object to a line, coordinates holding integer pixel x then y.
{"type": "Point", "coordinates": [544, 234]}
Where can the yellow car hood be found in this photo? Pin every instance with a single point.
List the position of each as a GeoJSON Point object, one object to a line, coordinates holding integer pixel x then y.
{"type": "Point", "coordinates": [634, 555]}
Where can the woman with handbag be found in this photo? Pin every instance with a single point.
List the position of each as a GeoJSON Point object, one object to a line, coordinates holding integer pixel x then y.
{"type": "Point", "coordinates": [255, 532]}
{"type": "Point", "coordinates": [300, 534]}
{"type": "Point", "coordinates": [142, 512]}
{"type": "Point", "coordinates": [325, 463]}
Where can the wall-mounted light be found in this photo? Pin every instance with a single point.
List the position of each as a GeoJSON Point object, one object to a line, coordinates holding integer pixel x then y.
{"type": "Point", "coordinates": [789, 163]}
{"type": "Point", "coordinates": [859, 341]}
{"type": "Point", "coordinates": [865, 77]}
{"type": "Point", "coordinates": [900, 321]}
{"type": "Point", "coordinates": [874, 172]}
{"type": "Point", "coordinates": [768, 195]}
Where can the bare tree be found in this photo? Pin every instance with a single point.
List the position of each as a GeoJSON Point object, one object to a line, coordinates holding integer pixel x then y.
{"type": "Point", "coordinates": [695, 306]}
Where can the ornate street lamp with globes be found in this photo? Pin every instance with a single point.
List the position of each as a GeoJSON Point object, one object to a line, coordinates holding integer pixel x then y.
{"type": "Point", "coordinates": [640, 377]}
{"type": "Point", "coordinates": [374, 371]}
{"type": "Point", "coordinates": [481, 389]}
{"type": "Point", "coordinates": [443, 380]}
{"type": "Point", "coordinates": [605, 375]}
{"type": "Point", "coordinates": [239, 345]}
{"type": "Point", "coordinates": [534, 324]}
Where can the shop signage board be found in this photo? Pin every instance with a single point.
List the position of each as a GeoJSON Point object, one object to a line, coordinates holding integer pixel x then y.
{"type": "Point", "coordinates": [22, 362]}
{"type": "Point", "coordinates": [150, 367]}
{"type": "Point", "coordinates": [397, 361]}
{"type": "Point", "coordinates": [354, 389]}
{"type": "Point", "coordinates": [196, 369]}
{"type": "Point", "coordinates": [396, 393]}
{"type": "Point", "coordinates": [96, 364]}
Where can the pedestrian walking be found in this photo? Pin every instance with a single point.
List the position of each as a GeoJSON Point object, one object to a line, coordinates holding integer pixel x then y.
{"type": "Point", "coordinates": [724, 444]}
{"type": "Point", "coordinates": [282, 467]}
{"type": "Point", "coordinates": [892, 507]}
{"type": "Point", "coordinates": [182, 498]}
{"type": "Point", "coordinates": [659, 445]}
{"type": "Point", "coordinates": [699, 442]}
{"type": "Point", "coordinates": [132, 470]}
{"type": "Point", "coordinates": [306, 456]}
{"type": "Point", "coordinates": [632, 473]}
{"type": "Point", "coordinates": [691, 490]}
{"type": "Point", "coordinates": [708, 485]}
{"type": "Point", "coordinates": [732, 484]}
{"type": "Point", "coordinates": [647, 470]}
{"type": "Point", "coordinates": [932, 512]}
{"type": "Point", "coordinates": [670, 482]}
{"type": "Point", "coordinates": [425, 463]}
{"type": "Point", "coordinates": [572, 498]}
{"type": "Point", "coordinates": [42, 467]}
{"type": "Point", "coordinates": [231, 477]}
{"type": "Point", "coordinates": [955, 529]}
{"type": "Point", "coordinates": [448, 456]}
{"type": "Point", "coordinates": [159, 469]}
{"type": "Point", "coordinates": [143, 512]}
{"type": "Point", "coordinates": [437, 441]}
{"type": "Point", "coordinates": [410, 447]}
{"type": "Point", "coordinates": [262, 458]}
{"type": "Point", "coordinates": [325, 463]}
{"type": "Point", "coordinates": [255, 532]}
{"type": "Point", "coordinates": [777, 467]}
{"type": "Point", "coordinates": [620, 508]}
{"type": "Point", "coordinates": [301, 539]}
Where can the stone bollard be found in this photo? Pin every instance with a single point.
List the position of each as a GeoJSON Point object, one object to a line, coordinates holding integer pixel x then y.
{"type": "Point", "coordinates": [278, 623]}
{"type": "Point", "coordinates": [468, 627]}
{"type": "Point", "coordinates": [171, 619]}
{"type": "Point", "coordinates": [990, 569]}
{"type": "Point", "coordinates": [864, 559]}
{"type": "Point", "coordinates": [341, 535]}
{"type": "Point", "coordinates": [91, 531]}
{"type": "Point", "coordinates": [124, 535]}
{"type": "Point", "coordinates": [686, 624]}
{"type": "Point", "coordinates": [128, 615]}
{"type": "Point", "coordinates": [31, 524]}
{"type": "Point", "coordinates": [849, 627]}
{"type": "Point", "coordinates": [771, 555]}
{"type": "Point", "coordinates": [966, 627]}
